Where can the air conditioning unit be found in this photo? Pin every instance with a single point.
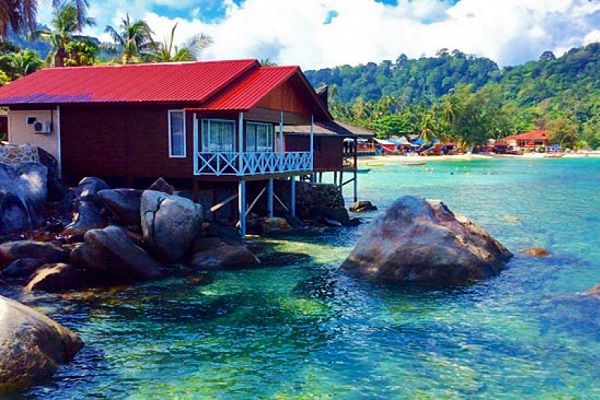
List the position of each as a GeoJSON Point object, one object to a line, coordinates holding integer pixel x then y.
{"type": "Point", "coordinates": [42, 127]}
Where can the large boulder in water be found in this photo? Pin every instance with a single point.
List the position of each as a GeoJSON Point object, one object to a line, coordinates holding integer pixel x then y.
{"type": "Point", "coordinates": [419, 240]}
{"type": "Point", "coordinates": [23, 195]}
{"type": "Point", "coordinates": [33, 345]}
{"type": "Point", "coordinates": [112, 255]}
{"type": "Point", "coordinates": [169, 224]}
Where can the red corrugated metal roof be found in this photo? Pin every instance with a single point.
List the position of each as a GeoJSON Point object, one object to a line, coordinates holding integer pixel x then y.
{"type": "Point", "coordinates": [248, 92]}
{"type": "Point", "coordinates": [252, 89]}
{"type": "Point", "coordinates": [172, 82]}
{"type": "Point", "coordinates": [531, 135]}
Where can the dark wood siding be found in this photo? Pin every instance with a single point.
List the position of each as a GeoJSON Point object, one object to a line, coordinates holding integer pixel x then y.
{"type": "Point", "coordinates": [121, 141]}
{"type": "Point", "coordinates": [328, 154]}
{"type": "Point", "coordinates": [288, 98]}
{"type": "Point", "coordinates": [274, 116]}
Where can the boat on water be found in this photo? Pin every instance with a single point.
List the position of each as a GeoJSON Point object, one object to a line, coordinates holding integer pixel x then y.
{"type": "Point", "coordinates": [375, 164]}
{"type": "Point", "coordinates": [413, 163]}
{"type": "Point", "coordinates": [363, 170]}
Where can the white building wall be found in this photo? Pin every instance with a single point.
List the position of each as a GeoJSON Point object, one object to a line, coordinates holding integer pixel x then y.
{"type": "Point", "coordinates": [21, 133]}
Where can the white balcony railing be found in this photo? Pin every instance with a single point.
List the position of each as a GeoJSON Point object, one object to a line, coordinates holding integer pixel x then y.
{"type": "Point", "coordinates": [248, 164]}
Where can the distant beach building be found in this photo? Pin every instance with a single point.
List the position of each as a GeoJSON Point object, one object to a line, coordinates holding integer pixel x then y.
{"type": "Point", "coordinates": [528, 140]}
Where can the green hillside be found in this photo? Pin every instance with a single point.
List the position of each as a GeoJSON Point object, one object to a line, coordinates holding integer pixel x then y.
{"type": "Point", "coordinates": [470, 99]}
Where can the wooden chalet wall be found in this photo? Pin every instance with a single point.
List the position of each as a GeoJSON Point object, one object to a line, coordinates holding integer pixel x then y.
{"type": "Point", "coordinates": [121, 141]}
{"type": "Point", "coordinates": [289, 99]}
{"type": "Point", "coordinates": [328, 155]}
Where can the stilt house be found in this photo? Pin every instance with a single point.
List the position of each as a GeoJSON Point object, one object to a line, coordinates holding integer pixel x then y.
{"type": "Point", "coordinates": [212, 125]}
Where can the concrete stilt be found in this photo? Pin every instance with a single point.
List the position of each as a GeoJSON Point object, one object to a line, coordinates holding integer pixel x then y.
{"type": "Point", "coordinates": [242, 207]}
{"type": "Point", "coordinates": [270, 197]}
{"type": "Point", "coordinates": [293, 196]}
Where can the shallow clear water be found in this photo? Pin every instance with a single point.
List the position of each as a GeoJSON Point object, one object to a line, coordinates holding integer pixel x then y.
{"type": "Point", "coordinates": [306, 331]}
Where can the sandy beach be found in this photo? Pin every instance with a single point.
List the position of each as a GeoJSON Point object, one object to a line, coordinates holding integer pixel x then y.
{"type": "Point", "coordinates": [391, 159]}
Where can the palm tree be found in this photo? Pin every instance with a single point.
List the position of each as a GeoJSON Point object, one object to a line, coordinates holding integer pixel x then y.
{"type": "Point", "coordinates": [27, 61]}
{"type": "Point", "coordinates": [134, 38]}
{"type": "Point", "coordinates": [426, 128]}
{"type": "Point", "coordinates": [66, 23]}
{"type": "Point", "coordinates": [20, 15]}
{"type": "Point", "coordinates": [190, 51]}
{"type": "Point", "coordinates": [266, 62]}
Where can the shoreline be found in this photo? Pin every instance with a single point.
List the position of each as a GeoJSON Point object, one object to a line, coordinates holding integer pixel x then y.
{"type": "Point", "coordinates": [390, 158]}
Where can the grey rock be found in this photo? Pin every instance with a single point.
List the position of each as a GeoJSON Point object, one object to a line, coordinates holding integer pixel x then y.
{"type": "Point", "coordinates": [419, 240]}
{"type": "Point", "coordinates": [205, 243]}
{"type": "Point", "coordinates": [274, 225]}
{"type": "Point", "coordinates": [23, 195]}
{"type": "Point", "coordinates": [87, 207]}
{"type": "Point", "coordinates": [89, 187]}
{"type": "Point", "coordinates": [161, 185]}
{"type": "Point", "coordinates": [88, 215]}
{"type": "Point", "coordinates": [363, 206]}
{"type": "Point", "coordinates": [110, 254]}
{"type": "Point", "coordinates": [57, 191]}
{"type": "Point", "coordinates": [225, 257]}
{"type": "Point", "coordinates": [169, 224]}
{"type": "Point", "coordinates": [22, 268]}
{"type": "Point", "coordinates": [33, 345]}
{"type": "Point", "coordinates": [55, 278]}
{"type": "Point", "coordinates": [323, 214]}
{"type": "Point", "coordinates": [45, 251]}
{"type": "Point", "coordinates": [124, 204]}
{"type": "Point", "coordinates": [228, 233]}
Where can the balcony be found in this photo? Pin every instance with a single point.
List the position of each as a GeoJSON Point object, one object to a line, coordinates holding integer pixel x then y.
{"type": "Point", "coordinates": [250, 164]}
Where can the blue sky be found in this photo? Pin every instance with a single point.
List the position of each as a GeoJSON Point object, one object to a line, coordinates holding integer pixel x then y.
{"type": "Point", "coordinates": [328, 33]}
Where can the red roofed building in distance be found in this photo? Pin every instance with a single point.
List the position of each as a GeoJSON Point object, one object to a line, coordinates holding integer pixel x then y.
{"type": "Point", "coordinates": [529, 140]}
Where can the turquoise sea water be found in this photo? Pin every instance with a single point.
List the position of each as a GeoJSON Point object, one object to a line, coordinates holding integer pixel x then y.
{"type": "Point", "coordinates": [305, 331]}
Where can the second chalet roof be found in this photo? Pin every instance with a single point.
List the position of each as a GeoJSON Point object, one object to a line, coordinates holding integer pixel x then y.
{"type": "Point", "coordinates": [210, 85]}
{"type": "Point", "coordinates": [334, 127]}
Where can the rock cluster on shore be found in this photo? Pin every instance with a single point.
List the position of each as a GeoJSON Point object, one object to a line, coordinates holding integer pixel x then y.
{"type": "Point", "coordinates": [122, 236]}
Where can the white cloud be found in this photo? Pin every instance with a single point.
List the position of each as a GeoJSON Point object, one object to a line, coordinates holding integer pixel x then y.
{"type": "Point", "coordinates": [296, 32]}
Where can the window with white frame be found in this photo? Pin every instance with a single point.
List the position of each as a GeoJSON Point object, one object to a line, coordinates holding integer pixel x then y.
{"type": "Point", "coordinates": [218, 135]}
{"type": "Point", "coordinates": [176, 133]}
{"type": "Point", "coordinates": [259, 137]}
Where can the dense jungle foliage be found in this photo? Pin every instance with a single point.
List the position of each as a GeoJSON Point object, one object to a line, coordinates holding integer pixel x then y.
{"type": "Point", "coordinates": [469, 99]}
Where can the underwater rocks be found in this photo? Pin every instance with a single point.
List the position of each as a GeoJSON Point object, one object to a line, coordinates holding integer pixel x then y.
{"type": "Point", "coordinates": [595, 291]}
{"type": "Point", "coordinates": [419, 240]}
{"type": "Point", "coordinates": [224, 257]}
{"type": "Point", "coordinates": [363, 206]}
{"type": "Point", "coordinates": [33, 345]}
{"type": "Point", "coordinates": [536, 252]}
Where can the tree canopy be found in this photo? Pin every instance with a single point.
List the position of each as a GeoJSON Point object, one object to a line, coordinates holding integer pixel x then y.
{"type": "Point", "coordinates": [469, 99]}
